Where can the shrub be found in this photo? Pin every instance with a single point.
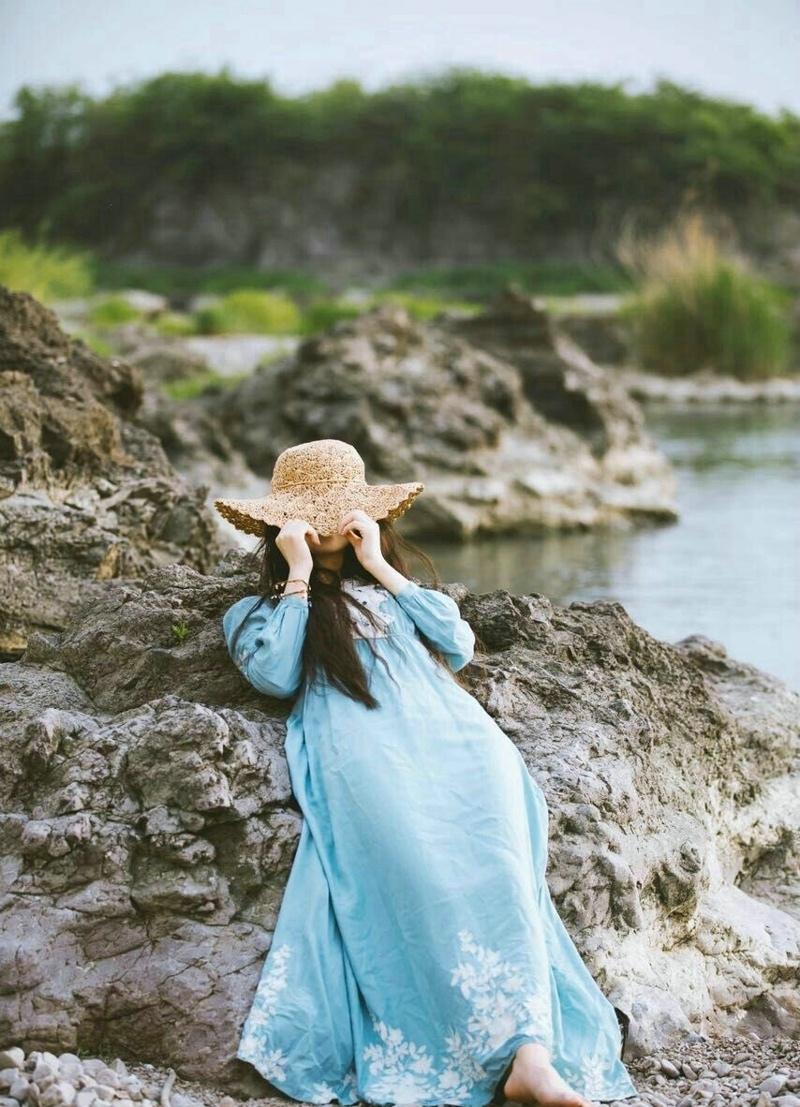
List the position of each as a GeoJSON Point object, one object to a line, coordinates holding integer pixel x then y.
{"type": "Point", "coordinates": [250, 311]}
{"type": "Point", "coordinates": [207, 381]}
{"type": "Point", "coordinates": [322, 314]}
{"type": "Point", "coordinates": [423, 308]}
{"type": "Point", "coordinates": [175, 324]}
{"type": "Point", "coordinates": [112, 311]}
{"type": "Point", "coordinates": [698, 307]}
{"type": "Point", "coordinates": [47, 272]}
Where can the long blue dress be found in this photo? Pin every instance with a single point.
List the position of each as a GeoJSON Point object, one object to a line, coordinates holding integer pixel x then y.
{"type": "Point", "coordinates": [416, 946]}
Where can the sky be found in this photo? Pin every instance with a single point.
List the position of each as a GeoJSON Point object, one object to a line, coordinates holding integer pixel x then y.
{"type": "Point", "coordinates": [746, 50]}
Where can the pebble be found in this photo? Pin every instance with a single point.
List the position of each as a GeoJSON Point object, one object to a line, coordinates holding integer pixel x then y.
{"type": "Point", "coordinates": [736, 1071]}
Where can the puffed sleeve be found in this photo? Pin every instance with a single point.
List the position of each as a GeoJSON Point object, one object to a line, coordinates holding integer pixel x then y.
{"type": "Point", "coordinates": [269, 649]}
{"type": "Point", "coordinates": [437, 615]}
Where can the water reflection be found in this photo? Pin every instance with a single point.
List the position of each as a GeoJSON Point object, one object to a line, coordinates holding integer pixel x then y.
{"type": "Point", "coordinates": [728, 569]}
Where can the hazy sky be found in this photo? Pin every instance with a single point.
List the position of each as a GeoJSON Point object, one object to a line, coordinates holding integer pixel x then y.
{"type": "Point", "coordinates": [743, 49]}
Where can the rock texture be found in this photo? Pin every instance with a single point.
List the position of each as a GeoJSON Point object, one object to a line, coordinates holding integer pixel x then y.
{"type": "Point", "coordinates": [86, 492]}
{"type": "Point", "coordinates": [149, 825]}
{"type": "Point", "coordinates": [511, 428]}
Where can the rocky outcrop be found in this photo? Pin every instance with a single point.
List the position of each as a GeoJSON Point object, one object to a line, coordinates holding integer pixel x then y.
{"type": "Point", "coordinates": [86, 493]}
{"type": "Point", "coordinates": [149, 825]}
{"type": "Point", "coordinates": [511, 428]}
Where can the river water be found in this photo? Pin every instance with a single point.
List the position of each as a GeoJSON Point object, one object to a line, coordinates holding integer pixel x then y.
{"type": "Point", "coordinates": [729, 569]}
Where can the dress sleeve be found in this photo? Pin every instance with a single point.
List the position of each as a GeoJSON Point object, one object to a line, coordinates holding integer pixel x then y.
{"type": "Point", "coordinates": [269, 649]}
{"type": "Point", "coordinates": [438, 616]}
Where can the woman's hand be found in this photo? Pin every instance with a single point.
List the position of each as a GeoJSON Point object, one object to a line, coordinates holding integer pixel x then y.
{"type": "Point", "coordinates": [294, 541]}
{"type": "Point", "coordinates": [364, 535]}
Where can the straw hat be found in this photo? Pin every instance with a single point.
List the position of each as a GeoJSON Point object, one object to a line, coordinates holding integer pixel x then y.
{"type": "Point", "coordinates": [318, 482]}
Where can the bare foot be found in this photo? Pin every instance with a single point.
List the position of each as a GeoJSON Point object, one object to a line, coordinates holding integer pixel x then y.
{"type": "Point", "coordinates": [534, 1080]}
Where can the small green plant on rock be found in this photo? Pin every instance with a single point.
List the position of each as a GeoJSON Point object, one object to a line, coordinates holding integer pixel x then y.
{"type": "Point", "coordinates": [180, 630]}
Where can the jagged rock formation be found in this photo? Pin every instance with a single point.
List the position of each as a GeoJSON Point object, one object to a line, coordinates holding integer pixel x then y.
{"type": "Point", "coordinates": [86, 492]}
{"type": "Point", "coordinates": [149, 825]}
{"type": "Point", "coordinates": [512, 428]}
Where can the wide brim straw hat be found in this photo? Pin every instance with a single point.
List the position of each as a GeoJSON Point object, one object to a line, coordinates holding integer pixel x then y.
{"type": "Point", "coordinates": [318, 482]}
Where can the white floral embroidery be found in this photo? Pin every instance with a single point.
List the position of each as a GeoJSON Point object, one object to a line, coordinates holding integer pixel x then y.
{"type": "Point", "coordinates": [589, 1075]}
{"type": "Point", "coordinates": [373, 596]}
{"type": "Point", "coordinates": [271, 1062]}
{"type": "Point", "coordinates": [501, 1009]}
{"type": "Point", "coordinates": [403, 1072]}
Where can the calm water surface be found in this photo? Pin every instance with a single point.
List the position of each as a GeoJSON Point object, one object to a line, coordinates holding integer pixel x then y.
{"type": "Point", "coordinates": [728, 569]}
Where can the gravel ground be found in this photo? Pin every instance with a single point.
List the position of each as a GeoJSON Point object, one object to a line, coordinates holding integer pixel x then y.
{"type": "Point", "coordinates": [735, 1071]}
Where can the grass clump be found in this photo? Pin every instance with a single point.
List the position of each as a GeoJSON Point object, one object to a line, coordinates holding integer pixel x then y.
{"type": "Point", "coordinates": [200, 383]}
{"type": "Point", "coordinates": [250, 311]}
{"type": "Point", "coordinates": [112, 311]}
{"type": "Point", "coordinates": [49, 273]}
{"type": "Point", "coordinates": [699, 307]}
{"type": "Point", "coordinates": [175, 324]}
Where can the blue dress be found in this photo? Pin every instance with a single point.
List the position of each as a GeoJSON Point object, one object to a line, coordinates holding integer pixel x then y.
{"type": "Point", "coordinates": [416, 946]}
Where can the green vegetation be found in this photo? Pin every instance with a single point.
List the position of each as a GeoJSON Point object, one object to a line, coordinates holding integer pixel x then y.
{"type": "Point", "coordinates": [111, 311]}
{"type": "Point", "coordinates": [523, 162]}
{"type": "Point", "coordinates": [181, 631]}
{"type": "Point", "coordinates": [96, 343]}
{"type": "Point", "coordinates": [698, 308]}
{"type": "Point", "coordinates": [199, 383]}
{"type": "Point", "coordinates": [422, 308]}
{"type": "Point", "coordinates": [49, 273]}
{"type": "Point", "coordinates": [175, 324]}
{"type": "Point", "coordinates": [250, 311]}
{"type": "Point", "coordinates": [321, 314]}
{"type": "Point", "coordinates": [482, 282]}
{"type": "Point", "coordinates": [174, 280]}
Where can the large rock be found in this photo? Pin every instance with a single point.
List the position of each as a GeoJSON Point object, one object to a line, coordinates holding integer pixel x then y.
{"type": "Point", "coordinates": [86, 492]}
{"type": "Point", "coordinates": [511, 428]}
{"type": "Point", "coordinates": [149, 824]}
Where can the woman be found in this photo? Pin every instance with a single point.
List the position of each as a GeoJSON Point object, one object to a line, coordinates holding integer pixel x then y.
{"type": "Point", "coordinates": [417, 956]}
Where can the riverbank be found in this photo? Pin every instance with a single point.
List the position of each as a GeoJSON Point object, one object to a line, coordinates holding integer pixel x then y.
{"type": "Point", "coordinates": [726, 569]}
{"type": "Point", "coordinates": [708, 389]}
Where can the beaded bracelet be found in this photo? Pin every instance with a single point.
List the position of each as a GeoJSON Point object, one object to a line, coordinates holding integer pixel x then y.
{"type": "Point", "coordinates": [298, 591]}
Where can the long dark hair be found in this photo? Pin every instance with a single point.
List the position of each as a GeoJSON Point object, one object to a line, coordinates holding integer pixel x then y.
{"type": "Point", "coordinates": [329, 647]}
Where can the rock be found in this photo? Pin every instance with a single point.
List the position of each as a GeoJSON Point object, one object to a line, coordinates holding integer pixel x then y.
{"type": "Point", "coordinates": [59, 1094]}
{"type": "Point", "coordinates": [721, 1068]}
{"type": "Point", "coordinates": [669, 1069]}
{"type": "Point", "coordinates": [707, 387]}
{"type": "Point", "coordinates": [84, 489]}
{"type": "Point", "coordinates": [533, 435]}
{"type": "Point", "coordinates": [161, 892]}
{"type": "Point", "coordinates": [11, 1058]}
{"type": "Point", "coordinates": [19, 1088]}
{"type": "Point", "coordinates": [773, 1085]}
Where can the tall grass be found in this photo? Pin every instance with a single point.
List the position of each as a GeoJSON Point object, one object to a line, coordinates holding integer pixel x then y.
{"type": "Point", "coordinates": [699, 306]}
{"type": "Point", "coordinates": [47, 272]}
